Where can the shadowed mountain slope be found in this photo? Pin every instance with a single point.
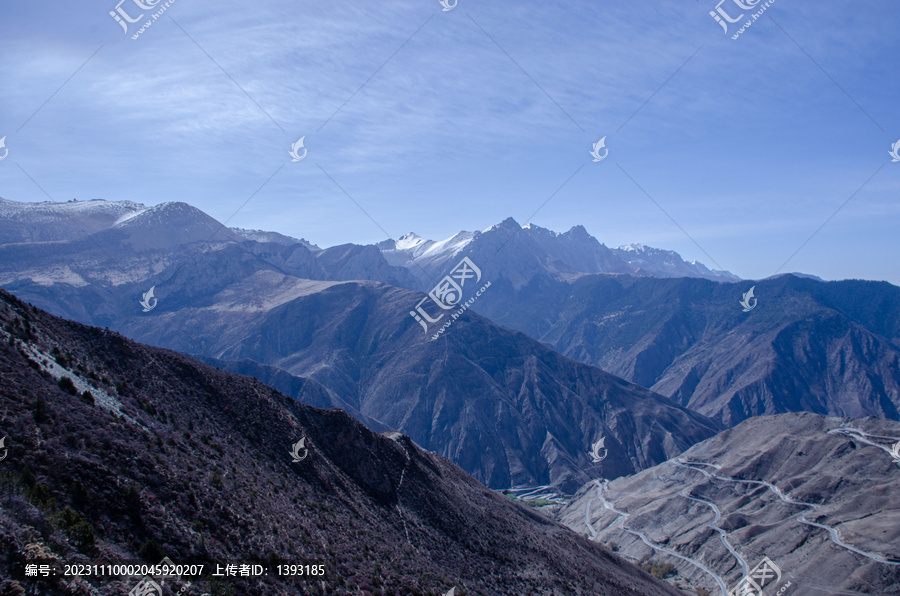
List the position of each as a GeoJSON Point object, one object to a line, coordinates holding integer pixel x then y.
{"type": "Point", "coordinates": [166, 456]}
{"type": "Point", "coordinates": [827, 347]}
{"type": "Point", "coordinates": [502, 406]}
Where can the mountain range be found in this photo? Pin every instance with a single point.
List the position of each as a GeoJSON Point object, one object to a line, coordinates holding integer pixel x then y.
{"type": "Point", "coordinates": [704, 424]}
{"type": "Point", "coordinates": [528, 250]}
{"type": "Point", "coordinates": [119, 452]}
{"type": "Point", "coordinates": [806, 345]}
{"type": "Point", "coordinates": [271, 310]}
{"type": "Point", "coordinates": [827, 347]}
{"type": "Point", "coordinates": [832, 348]}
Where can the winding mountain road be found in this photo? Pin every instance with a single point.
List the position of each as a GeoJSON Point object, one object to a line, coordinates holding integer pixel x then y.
{"type": "Point", "coordinates": [532, 493]}
{"type": "Point", "coordinates": [864, 437]}
{"type": "Point", "coordinates": [620, 522]}
{"type": "Point", "coordinates": [703, 468]}
{"type": "Point", "coordinates": [833, 532]}
{"type": "Point", "coordinates": [715, 527]}
{"type": "Point", "coordinates": [723, 535]}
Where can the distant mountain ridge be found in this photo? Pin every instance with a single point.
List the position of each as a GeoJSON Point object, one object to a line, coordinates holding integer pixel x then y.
{"type": "Point", "coordinates": [827, 347]}
{"type": "Point", "coordinates": [53, 222]}
{"type": "Point", "coordinates": [568, 253]}
{"type": "Point", "coordinates": [263, 236]}
{"type": "Point", "coordinates": [49, 221]}
{"type": "Point", "coordinates": [141, 242]}
{"type": "Point", "coordinates": [572, 252]}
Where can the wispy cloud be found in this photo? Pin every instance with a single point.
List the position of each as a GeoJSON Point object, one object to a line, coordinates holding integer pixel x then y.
{"type": "Point", "coordinates": [450, 133]}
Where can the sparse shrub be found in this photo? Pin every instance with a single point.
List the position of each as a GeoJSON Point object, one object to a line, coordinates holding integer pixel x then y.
{"type": "Point", "coordinates": [66, 384]}
{"type": "Point", "coordinates": [151, 552]}
{"type": "Point", "coordinates": [88, 398]}
{"type": "Point", "coordinates": [702, 592]}
{"type": "Point", "coordinates": [39, 495]}
{"type": "Point", "coordinates": [80, 495]}
{"type": "Point", "coordinates": [133, 498]}
{"type": "Point", "coordinates": [219, 587]}
{"type": "Point", "coordinates": [10, 587]}
{"type": "Point", "coordinates": [658, 570]}
{"type": "Point", "coordinates": [273, 560]}
{"type": "Point", "coordinates": [147, 407]}
{"type": "Point", "coordinates": [27, 477]}
{"type": "Point", "coordinates": [80, 532]}
{"type": "Point", "coordinates": [39, 409]}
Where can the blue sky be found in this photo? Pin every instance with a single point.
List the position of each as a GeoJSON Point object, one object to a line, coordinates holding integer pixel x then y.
{"type": "Point", "coordinates": [468, 116]}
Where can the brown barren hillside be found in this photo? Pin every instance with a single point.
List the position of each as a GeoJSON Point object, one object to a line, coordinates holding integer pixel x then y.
{"type": "Point", "coordinates": [144, 453]}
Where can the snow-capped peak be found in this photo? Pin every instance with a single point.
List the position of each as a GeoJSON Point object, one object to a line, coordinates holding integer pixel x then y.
{"type": "Point", "coordinates": [572, 252]}
{"type": "Point", "coordinates": [409, 241]}
{"type": "Point", "coordinates": [633, 247]}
